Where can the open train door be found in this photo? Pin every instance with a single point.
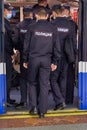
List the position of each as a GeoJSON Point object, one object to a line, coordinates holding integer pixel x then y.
{"type": "Point", "coordinates": [82, 58]}
{"type": "Point", "coordinates": [83, 55]}
{"type": "Point", "coordinates": [2, 63]}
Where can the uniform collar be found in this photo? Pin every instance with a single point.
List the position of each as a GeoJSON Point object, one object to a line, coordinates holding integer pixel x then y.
{"type": "Point", "coordinates": [60, 18]}
{"type": "Point", "coordinates": [42, 21]}
{"type": "Point", "coordinates": [6, 21]}
{"type": "Point", "coordinates": [27, 19]}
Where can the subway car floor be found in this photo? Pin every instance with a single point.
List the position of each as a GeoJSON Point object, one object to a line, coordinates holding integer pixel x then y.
{"type": "Point", "coordinates": [15, 94]}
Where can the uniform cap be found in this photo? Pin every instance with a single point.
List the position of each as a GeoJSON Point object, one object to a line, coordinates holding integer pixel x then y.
{"type": "Point", "coordinates": [41, 1]}
{"type": "Point", "coordinates": [65, 6]}
{"type": "Point", "coordinates": [55, 7]}
{"type": "Point", "coordinates": [27, 9]}
{"type": "Point", "coordinates": [38, 8]}
{"type": "Point", "coordinates": [8, 6]}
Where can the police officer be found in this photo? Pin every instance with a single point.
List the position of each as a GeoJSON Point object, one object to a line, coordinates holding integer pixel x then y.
{"type": "Point", "coordinates": [9, 54]}
{"type": "Point", "coordinates": [39, 46]}
{"type": "Point", "coordinates": [58, 77]}
{"type": "Point", "coordinates": [41, 3]}
{"type": "Point", "coordinates": [67, 13]}
{"type": "Point", "coordinates": [19, 36]}
{"type": "Point", "coordinates": [71, 67]}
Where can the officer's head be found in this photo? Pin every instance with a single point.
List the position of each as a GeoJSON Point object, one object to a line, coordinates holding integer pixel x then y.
{"type": "Point", "coordinates": [41, 14]}
{"type": "Point", "coordinates": [7, 10]}
{"type": "Point", "coordinates": [56, 10]}
{"type": "Point", "coordinates": [66, 10]}
{"type": "Point", "coordinates": [42, 2]}
{"type": "Point", "coordinates": [28, 13]}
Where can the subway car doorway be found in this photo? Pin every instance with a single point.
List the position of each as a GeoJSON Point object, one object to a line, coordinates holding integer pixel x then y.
{"type": "Point", "coordinates": [15, 88]}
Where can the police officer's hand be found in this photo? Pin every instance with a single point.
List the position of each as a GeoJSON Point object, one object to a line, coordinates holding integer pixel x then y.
{"type": "Point", "coordinates": [17, 58]}
{"type": "Point", "coordinates": [25, 65]}
{"type": "Point", "coordinates": [13, 58]}
{"type": "Point", "coordinates": [53, 67]}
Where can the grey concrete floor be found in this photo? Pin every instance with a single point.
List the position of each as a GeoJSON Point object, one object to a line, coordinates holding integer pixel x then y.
{"type": "Point", "coordinates": [59, 127]}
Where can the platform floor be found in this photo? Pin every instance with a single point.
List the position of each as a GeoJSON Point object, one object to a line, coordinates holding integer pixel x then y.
{"type": "Point", "coordinates": [60, 127]}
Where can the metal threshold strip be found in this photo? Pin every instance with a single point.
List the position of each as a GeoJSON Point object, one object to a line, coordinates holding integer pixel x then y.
{"type": "Point", "coordinates": [25, 114]}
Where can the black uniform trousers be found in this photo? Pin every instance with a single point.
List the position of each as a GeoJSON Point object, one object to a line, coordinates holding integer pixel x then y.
{"type": "Point", "coordinates": [58, 81]}
{"type": "Point", "coordinates": [55, 75]}
{"type": "Point", "coordinates": [23, 81]}
{"type": "Point", "coordinates": [70, 84]}
{"type": "Point", "coordinates": [8, 75]}
{"type": "Point", "coordinates": [63, 77]}
{"type": "Point", "coordinates": [39, 66]}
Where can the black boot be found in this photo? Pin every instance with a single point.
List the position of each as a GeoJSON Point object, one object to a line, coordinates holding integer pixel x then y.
{"type": "Point", "coordinates": [34, 111]}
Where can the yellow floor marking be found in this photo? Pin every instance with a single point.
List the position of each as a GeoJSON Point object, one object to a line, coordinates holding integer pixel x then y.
{"type": "Point", "coordinates": [21, 115]}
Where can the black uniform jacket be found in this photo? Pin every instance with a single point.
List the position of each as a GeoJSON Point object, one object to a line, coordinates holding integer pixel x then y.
{"type": "Point", "coordinates": [20, 31]}
{"type": "Point", "coordinates": [8, 39]}
{"type": "Point", "coordinates": [42, 39]}
{"type": "Point", "coordinates": [64, 29]}
{"type": "Point", "coordinates": [74, 33]}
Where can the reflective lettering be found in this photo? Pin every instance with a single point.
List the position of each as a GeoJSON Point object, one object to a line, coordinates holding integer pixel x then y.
{"type": "Point", "coordinates": [23, 31]}
{"type": "Point", "coordinates": [45, 34]}
{"type": "Point", "coordinates": [63, 29]}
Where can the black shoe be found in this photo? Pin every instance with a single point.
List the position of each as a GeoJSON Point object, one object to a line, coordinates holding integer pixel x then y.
{"type": "Point", "coordinates": [11, 101]}
{"type": "Point", "coordinates": [41, 115]}
{"type": "Point", "coordinates": [69, 103]}
{"type": "Point", "coordinates": [34, 111]}
{"type": "Point", "coordinates": [21, 104]}
{"type": "Point", "coordinates": [60, 106]}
